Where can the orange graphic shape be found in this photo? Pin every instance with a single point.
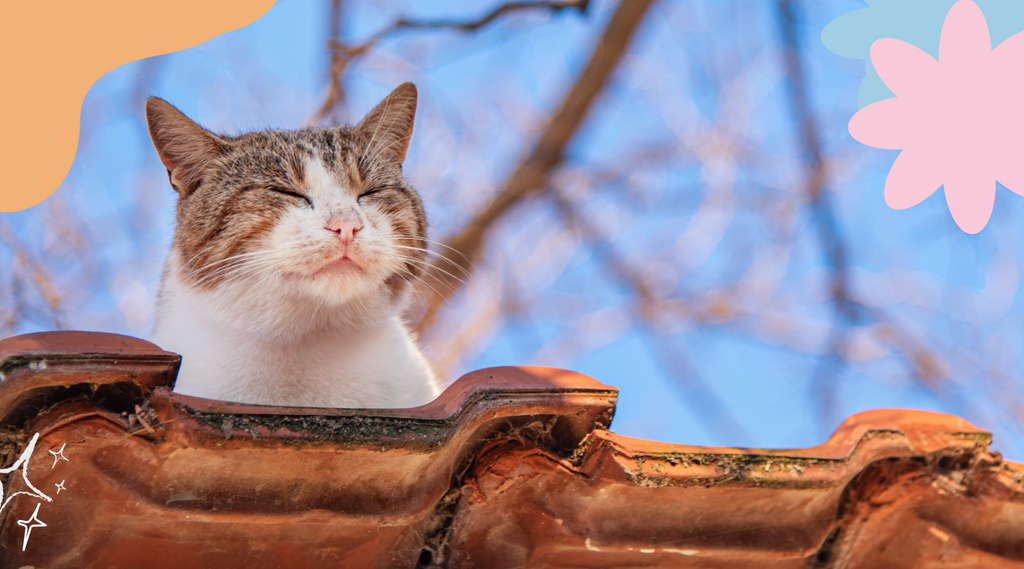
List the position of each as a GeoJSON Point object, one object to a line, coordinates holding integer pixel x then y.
{"type": "Point", "coordinates": [54, 52]}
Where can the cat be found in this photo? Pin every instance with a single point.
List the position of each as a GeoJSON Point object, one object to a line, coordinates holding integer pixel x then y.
{"type": "Point", "coordinates": [293, 256]}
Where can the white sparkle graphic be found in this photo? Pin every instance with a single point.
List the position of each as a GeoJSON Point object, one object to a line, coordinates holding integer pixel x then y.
{"type": "Point", "coordinates": [29, 525]}
{"type": "Point", "coordinates": [59, 455]}
{"type": "Point", "coordinates": [22, 463]}
{"type": "Point", "coordinates": [60, 486]}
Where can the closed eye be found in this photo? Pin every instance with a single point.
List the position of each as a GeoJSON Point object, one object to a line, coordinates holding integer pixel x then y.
{"type": "Point", "coordinates": [371, 192]}
{"type": "Point", "coordinates": [291, 193]}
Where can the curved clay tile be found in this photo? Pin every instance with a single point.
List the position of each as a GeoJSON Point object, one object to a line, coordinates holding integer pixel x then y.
{"type": "Point", "coordinates": [509, 467]}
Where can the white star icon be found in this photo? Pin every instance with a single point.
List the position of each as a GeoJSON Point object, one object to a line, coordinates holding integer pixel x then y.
{"type": "Point", "coordinates": [59, 455]}
{"type": "Point", "coordinates": [28, 526]}
{"type": "Point", "coordinates": [60, 486]}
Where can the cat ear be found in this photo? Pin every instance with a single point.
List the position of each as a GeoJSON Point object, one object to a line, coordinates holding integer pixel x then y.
{"type": "Point", "coordinates": [389, 126]}
{"type": "Point", "coordinates": [185, 148]}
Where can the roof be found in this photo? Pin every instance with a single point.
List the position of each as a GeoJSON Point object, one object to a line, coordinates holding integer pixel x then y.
{"type": "Point", "coordinates": [509, 467]}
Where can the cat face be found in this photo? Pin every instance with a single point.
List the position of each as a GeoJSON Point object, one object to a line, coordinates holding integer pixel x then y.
{"type": "Point", "coordinates": [322, 213]}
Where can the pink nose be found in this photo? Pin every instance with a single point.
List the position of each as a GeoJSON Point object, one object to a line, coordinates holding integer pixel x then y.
{"type": "Point", "coordinates": [346, 226]}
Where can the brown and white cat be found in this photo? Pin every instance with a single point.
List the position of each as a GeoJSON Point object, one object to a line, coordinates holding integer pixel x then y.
{"type": "Point", "coordinates": [292, 260]}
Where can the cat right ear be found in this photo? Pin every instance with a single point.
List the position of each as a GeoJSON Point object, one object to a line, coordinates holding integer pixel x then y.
{"type": "Point", "coordinates": [389, 126]}
{"type": "Point", "coordinates": [186, 149]}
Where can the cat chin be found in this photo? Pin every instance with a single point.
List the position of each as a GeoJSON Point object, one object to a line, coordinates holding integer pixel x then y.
{"type": "Point", "coordinates": [327, 285]}
{"type": "Point", "coordinates": [343, 284]}
{"type": "Point", "coordinates": [343, 266]}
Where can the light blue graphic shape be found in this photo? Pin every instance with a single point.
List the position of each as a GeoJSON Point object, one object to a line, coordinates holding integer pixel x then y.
{"type": "Point", "coordinates": [918, 22]}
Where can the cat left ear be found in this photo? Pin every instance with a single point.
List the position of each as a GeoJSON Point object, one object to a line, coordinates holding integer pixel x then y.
{"type": "Point", "coordinates": [185, 148]}
{"type": "Point", "coordinates": [389, 126]}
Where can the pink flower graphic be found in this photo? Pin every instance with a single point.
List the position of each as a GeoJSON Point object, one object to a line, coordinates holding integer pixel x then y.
{"type": "Point", "coordinates": [958, 120]}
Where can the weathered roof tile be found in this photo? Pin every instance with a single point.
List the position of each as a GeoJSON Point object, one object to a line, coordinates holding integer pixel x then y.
{"type": "Point", "coordinates": [510, 467]}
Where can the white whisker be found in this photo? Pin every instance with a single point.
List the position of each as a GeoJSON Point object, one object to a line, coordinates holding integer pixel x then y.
{"type": "Point", "coordinates": [438, 255]}
{"type": "Point", "coordinates": [383, 114]}
{"type": "Point", "coordinates": [377, 153]}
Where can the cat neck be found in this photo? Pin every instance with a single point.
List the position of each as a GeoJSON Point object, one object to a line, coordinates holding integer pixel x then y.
{"type": "Point", "coordinates": [237, 345]}
{"type": "Point", "coordinates": [272, 311]}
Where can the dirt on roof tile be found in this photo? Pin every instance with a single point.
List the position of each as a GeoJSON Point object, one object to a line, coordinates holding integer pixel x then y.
{"type": "Point", "coordinates": [510, 467]}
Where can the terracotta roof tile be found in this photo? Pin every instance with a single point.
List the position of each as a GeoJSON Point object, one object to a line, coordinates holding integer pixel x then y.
{"type": "Point", "coordinates": [510, 467]}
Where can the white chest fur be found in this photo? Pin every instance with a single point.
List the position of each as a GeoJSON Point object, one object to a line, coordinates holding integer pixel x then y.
{"type": "Point", "coordinates": [290, 354]}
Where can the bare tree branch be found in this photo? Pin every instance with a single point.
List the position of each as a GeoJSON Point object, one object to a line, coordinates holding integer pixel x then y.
{"type": "Point", "coordinates": [828, 229]}
{"type": "Point", "coordinates": [336, 91]}
{"type": "Point", "coordinates": [34, 271]}
{"type": "Point", "coordinates": [554, 6]}
{"type": "Point", "coordinates": [925, 364]}
{"type": "Point", "coordinates": [342, 55]}
{"type": "Point", "coordinates": [671, 356]}
{"type": "Point", "coordinates": [821, 207]}
{"type": "Point", "coordinates": [531, 174]}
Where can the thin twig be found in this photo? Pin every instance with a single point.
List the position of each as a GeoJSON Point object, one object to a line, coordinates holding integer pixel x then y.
{"type": "Point", "coordinates": [553, 6]}
{"type": "Point", "coordinates": [342, 54]}
{"type": "Point", "coordinates": [336, 91]}
{"type": "Point", "coordinates": [37, 273]}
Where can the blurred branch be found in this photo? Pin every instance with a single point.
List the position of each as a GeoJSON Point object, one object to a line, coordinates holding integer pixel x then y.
{"type": "Point", "coordinates": [670, 355]}
{"type": "Point", "coordinates": [616, 267]}
{"type": "Point", "coordinates": [828, 229]}
{"type": "Point", "coordinates": [532, 173]}
{"type": "Point", "coordinates": [821, 207]}
{"type": "Point", "coordinates": [925, 364]}
{"type": "Point", "coordinates": [342, 55]}
{"type": "Point", "coordinates": [36, 274]}
{"type": "Point", "coordinates": [336, 92]}
{"type": "Point", "coordinates": [553, 6]}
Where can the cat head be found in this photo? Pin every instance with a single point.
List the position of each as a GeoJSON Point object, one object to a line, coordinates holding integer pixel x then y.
{"type": "Point", "coordinates": [319, 215]}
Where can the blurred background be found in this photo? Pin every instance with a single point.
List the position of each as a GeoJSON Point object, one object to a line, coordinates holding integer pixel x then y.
{"type": "Point", "coordinates": [662, 195]}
